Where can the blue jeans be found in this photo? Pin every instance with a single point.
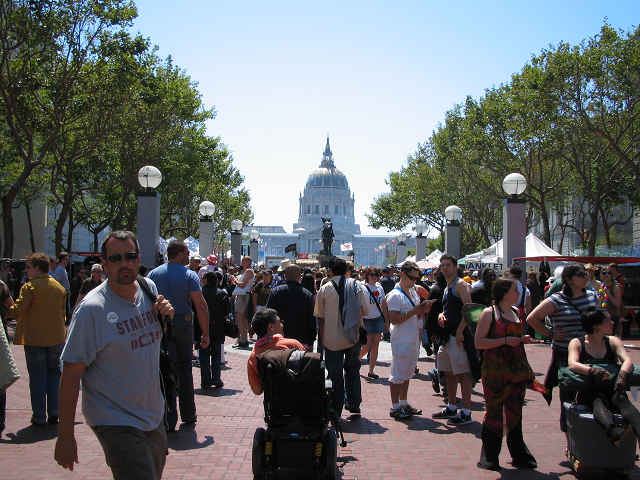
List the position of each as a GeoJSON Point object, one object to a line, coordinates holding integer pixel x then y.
{"type": "Point", "coordinates": [180, 347]}
{"type": "Point", "coordinates": [210, 364]}
{"type": "Point", "coordinates": [43, 365]}
{"type": "Point", "coordinates": [346, 389]}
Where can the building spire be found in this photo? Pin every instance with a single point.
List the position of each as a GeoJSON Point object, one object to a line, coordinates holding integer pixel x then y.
{"type": "Point", "coordinates": [327, 156]}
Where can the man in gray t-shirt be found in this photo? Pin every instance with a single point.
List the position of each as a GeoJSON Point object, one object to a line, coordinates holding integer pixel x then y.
{"type": "Point", "coordinates": [113, 347]}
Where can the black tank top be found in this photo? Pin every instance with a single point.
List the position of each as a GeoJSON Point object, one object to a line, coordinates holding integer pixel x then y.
{"type": "Point", "coordinates": [609, 356]}
{"type": "Point", "coordinates": [452, 307]}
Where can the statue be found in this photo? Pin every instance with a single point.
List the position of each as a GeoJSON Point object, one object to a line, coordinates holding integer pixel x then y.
{"type": "Point", "coordinates": [327, 236]}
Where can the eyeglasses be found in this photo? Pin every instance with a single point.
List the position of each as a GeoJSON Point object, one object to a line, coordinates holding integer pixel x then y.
{"type": "Point", "coordinates": [127, 257]}
{"type": "Point", "coordinates": [581, 274]}
{"type": "Point", "coordinates": [415, 279]}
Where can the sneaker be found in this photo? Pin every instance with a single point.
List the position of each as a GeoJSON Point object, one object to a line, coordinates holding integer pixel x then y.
{"type": "Point", "coordinates": [446, 412]}
{"type": "Point", "coordinates": [372, 375]}
{"type": "Point", "coordinates": [460, 419]}
{"type": "Point", "coordinates": [412, 411]}
{"type": "Point", "coordinates": [399, 413]}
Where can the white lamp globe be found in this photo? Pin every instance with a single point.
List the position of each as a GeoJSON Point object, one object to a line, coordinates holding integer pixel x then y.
{"type": "Point", "coordinates": [149, 177]}
{"type": "Point", "coordinates": [453, 213]}
{"type": "Point", "coordinates": [514, 184]}
{"type": "Point", "coordinates": [236, 225]}
{"type": "Point", "coordinates": [421, 228]}
{"type": "Point", "coordinates": [254, 235]}
{"type": "Point", "coordinates": [207, 209]}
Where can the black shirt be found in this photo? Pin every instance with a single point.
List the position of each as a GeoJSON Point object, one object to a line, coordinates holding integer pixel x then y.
{"type": "Point", "coordinates": [294, 305]}
{"type": "Point", "coordinates": [388, 284]}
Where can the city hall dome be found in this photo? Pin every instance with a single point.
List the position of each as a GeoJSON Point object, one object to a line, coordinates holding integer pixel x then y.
{"type": "Point", "coordinates": [327, 175]}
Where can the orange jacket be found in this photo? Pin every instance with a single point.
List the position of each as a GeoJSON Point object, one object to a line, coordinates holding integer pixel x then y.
{"type": "Point", "coordinates": [276, 342]}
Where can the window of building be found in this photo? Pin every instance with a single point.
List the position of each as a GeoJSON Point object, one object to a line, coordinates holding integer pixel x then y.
{"type": "Point", "coordinates": [337, 211]}
{"type": "Point", "coordinates": [326, 209]}
{"type": "Point", "coordinates": [316, 209]}
{"type": "Point", "coordinates": [308, 209]}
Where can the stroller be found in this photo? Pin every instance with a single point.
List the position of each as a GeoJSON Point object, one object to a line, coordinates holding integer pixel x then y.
{"type": "Point", "coordinates": [299, 441]}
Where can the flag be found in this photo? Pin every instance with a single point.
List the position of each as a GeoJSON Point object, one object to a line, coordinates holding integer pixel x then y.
{"type": "Point", "coordinates": [290, 248]}
{"type": "Point", "coordinates": [345, 247]}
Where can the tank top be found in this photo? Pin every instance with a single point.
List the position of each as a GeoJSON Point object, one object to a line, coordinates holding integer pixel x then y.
{"type": "Point", "coordinates": [588, 359]}
{"type": "Point", "coordinates": [452, 307]}
{"type": "Point", "coordinates": [247, 288]}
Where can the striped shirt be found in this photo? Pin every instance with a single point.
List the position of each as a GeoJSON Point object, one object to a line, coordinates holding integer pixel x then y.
{"type": "Point", "coordinates": [567, 316]}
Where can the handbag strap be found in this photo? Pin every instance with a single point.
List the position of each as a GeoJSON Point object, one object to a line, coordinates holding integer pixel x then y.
{"type": "Point", "coordinates": [371, 295]}
{"type": "Point", "coordinates": [413, 304]}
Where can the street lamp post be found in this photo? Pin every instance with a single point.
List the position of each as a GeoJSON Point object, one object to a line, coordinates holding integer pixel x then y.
{"type": "Point", "coordinates": [148, 214]}
{"type": "Point", "coordinates": [421, 241]}
{"type": "Point", "coordinates": [514, 228]}
{"type": "Point", "coordinates": [207, 211]}
{"type": "Point", "coordinates": [253, 245]}
{"type": "Point", "coordinates": [453, 215]}
{"type": "Point", "coordinates": [402, 247]}
{"type": "Point", "coordinates": [236, 241]}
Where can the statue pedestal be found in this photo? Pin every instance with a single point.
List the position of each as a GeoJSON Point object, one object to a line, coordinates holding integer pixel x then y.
{"type": "Point", "coordinates": [323, 258]}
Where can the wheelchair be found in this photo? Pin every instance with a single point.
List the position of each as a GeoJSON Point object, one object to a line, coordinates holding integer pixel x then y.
{"type": "Point", "coordinates": [301, 438]}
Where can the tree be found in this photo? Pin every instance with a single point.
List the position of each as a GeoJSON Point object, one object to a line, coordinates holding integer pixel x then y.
{"type": "Point", "coordinates": [44, 47]}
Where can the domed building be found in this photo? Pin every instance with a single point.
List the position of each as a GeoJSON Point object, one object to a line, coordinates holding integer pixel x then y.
{"type": "Point", "coordinates": [326, 194]}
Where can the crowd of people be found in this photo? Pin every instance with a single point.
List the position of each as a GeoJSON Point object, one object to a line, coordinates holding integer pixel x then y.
{"type": "Point", "coordinates": [116, 314]}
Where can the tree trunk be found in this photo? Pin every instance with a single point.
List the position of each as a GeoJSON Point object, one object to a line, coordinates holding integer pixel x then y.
{"type": "Point", "coordinates": [593, 232]}
{"type": "Point", "coordinates": [7, 224]}
{"type": "Point", "coordinates": [31, 239]}
{"type": "Point", "coordinates": [70, 231]}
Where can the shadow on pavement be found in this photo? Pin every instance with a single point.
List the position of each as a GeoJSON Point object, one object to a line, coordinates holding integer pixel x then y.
{"type": "Point", "coordinates": [441, 428]}
{"type": "Point", "coordinates": [218, 392]}
{"type": "Point", "coordinates": [31, 434]}
{"type": "Point", "coordinates": [186, 438]}
{"type": "Point", "coordinates": [511, 473]}
{"type": "Point", "coordinates": [357, 424]}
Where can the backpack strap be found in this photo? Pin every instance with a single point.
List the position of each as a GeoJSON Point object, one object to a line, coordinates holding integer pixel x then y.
{"type": "Point", "coordinates": [145, 288]}
{"type": "Point", "coordinates": [340, 291]}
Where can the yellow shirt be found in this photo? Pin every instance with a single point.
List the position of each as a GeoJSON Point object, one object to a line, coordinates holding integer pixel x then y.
{"type": "Point", "coordinates": [41, 312]}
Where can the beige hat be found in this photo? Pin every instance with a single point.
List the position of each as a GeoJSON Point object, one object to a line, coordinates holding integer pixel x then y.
{"type": "Point", "coordinates": [283, 265]}
{"type": "Point", "coordinates": [96, 266]}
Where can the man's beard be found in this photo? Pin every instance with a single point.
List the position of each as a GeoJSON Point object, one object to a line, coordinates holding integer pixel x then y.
{"type": "Point", "coordinates": [125, 276]}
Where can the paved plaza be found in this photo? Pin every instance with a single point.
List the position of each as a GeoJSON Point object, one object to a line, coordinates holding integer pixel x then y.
{"type": "Point", "coordinates": [219, 447]}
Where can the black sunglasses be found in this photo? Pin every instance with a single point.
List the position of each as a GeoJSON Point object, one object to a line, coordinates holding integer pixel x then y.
{"type": "Point", "coordinates": [415, 279]}
{"type": "Point", "coordinates": [127, 257]}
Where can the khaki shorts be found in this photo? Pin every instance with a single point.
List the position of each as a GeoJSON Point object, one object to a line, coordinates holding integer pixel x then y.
{"type": "Point", "coordinates": [453, 358]}
{"type": "Point", "coordinates": [241, 303]}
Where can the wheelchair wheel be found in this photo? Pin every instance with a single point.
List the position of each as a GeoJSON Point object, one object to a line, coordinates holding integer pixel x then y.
{"type": "Point", "coordinates": [257, 453]}
{"type": "Point", "coordinates": [331, 456]}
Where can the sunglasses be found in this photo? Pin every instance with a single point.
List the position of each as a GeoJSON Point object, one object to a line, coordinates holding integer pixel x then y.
{"type": "Point", "coordinates": [127, 257]}
{"type": "Point", "coordinates": [415, 279]}
{"type": "Point", "coordinates": [581, 274]}
{"type": "Point", "coordinates": [606, 272]}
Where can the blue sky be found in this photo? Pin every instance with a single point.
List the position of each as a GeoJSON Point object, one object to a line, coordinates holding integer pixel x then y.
{"type": "Point", "coordinates": [376, 76]}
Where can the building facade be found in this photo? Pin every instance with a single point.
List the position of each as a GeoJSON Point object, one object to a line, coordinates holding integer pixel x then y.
{"type": "Point", "coordinates": [327, 194]}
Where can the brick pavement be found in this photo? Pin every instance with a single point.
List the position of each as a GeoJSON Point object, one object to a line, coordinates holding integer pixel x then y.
{"type": "Point", "coordinates": [219, 447]}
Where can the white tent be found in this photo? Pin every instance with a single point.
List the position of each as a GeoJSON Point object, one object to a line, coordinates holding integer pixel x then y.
{"type": "Point", "coordinates": [493, 255]}
{"type": "Point", "coordinates": [432, 260]}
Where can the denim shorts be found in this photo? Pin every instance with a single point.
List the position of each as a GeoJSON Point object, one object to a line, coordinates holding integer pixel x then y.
{"type": "Point", "coordinates": [374, 325]}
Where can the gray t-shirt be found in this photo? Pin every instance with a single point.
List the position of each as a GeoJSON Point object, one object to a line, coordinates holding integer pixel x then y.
{"type": "Point", "coordinates": [119, 342]}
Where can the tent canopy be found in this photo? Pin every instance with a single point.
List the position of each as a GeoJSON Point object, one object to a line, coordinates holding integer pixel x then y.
{"type": "Point", "coordinates": [432, 260]}
{"type": "Point", "coordinates": [493, 255]}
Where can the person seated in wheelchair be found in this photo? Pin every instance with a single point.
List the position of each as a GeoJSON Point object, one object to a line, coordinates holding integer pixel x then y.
{"type": "Point", "coordinates": [269, 328]}
{"type": "Point", "coordinates": [598, 346]}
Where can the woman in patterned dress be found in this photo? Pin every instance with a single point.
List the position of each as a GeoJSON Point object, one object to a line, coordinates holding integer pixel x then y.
{"type": "Point", "coordinates": [506, 373]}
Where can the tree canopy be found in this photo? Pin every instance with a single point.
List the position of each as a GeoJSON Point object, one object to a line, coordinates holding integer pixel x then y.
{"type": "Point", "coordinates": [569, 121]}
{"type": "Point", "coordinates": [84, 105]}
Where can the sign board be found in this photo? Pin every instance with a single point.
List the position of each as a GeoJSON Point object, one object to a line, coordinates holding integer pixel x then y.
{"type": "Point", "coordinates": [479, 266]}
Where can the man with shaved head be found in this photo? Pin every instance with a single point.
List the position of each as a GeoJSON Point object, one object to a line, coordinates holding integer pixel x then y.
{"type": "Point", "coordinates": [294, 305]}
